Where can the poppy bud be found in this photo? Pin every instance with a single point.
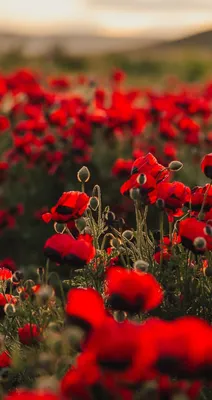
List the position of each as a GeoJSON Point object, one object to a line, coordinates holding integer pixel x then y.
{"type": "Point", "coordinates": [17, 276]}
{"type": "Point", "coordinates": [53, 327]}
{"type": "Point", "coordinates": [135, 194]}
{"type": "Point", "coordinates": [81, 224]}
{"type": "Point", "coordinates": [4, 375]}
{"type": "Point", "coordinates": [208, 230]}
{"type": "Point", "coordinates": [74, 335]}
{"type": "Point", "coordinates": [47, 383]}
{"type": "Point", "coordinates": [141, 179]}
{"type": "Point", "coordinates": [94, 203]}
{"type": "Point", "coordinates": [44, 294]}
{"type": "Point", "coordinates": [83, 175]}
{"type": "Point", "coordinates": [110, 217]}
{"type": "Point", "coordinates": [29, 284]}
{"type": "Point", "coordinates": [208, 271]}
{"type": "Point", "coordinates": [115, 243]}
{"type": "Point", "coordinates": [87, 231]}
{"type": "Point", "coordinates": [160, 204]}
{"type": "Point", "coordinates": [46, 362]}
{"type": "Point", "coordinates": [175, 166]}
{"type": "Point", "coordinates": [199, 243]}
{"type": "Point", "coordinates": [9, 310]}
{"type": "Point", "coordinates": [141, 265]}
{"type": "Point", "coordinates": [127, 235]}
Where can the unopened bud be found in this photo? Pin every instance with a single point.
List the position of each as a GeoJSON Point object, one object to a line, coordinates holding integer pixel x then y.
{"type": "Point", "coordinates": [74, 335]}
{"type": "Point", "coordinates": [81, 224]}
{"type": "Point", "coordinates": [44, 294]}
{"type": "Point", "coordinates": [87, 231]}
{"type": "Point", "coordinates": [110, 217]}
{"type": "Point", "coordinates": [141, 179]}
{"type": "Point", "coordinates": [83, 175]}
{"type": "Point", "coordinates": [54, 327]}
{"type": "Point", "coordinates": [29, 284]}
{"type": "Point", "coordinates": [46, 362]}
{"type": "Point", "coordinates": [94, 203]}
{"type": "Point", "coordinates": [128, 235]}
{"type": "Point", "coordinates": [9, 310]}
{"type": "Point", "coordinates": [135, 194]}
{"type": "Point", "coordinates": [199, 243]}
{"type": "Point", "coordinates": [175, 165]}
{"type": "Point", "coordinates": [160, 204]}
{"type": "Point", "coordinates": [141, 265]}
{"type": "Point", "coordinates": [47, 383]}
{"type": "Point", "coordinates": [17, 277]}
{"type": "Point", "coordinates": [115, 243]}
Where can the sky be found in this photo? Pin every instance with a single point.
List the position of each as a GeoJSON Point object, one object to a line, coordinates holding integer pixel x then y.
{"type": "Point", "coordinates": [149, 18]}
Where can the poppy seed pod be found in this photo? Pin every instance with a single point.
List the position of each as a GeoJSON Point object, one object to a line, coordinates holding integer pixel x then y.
{"type": "Point", "coordinates": [141, 265]}
{"type": "Point", "coordinates": [200, 243]}
{"type": "Point", "coordinates": [94, 203]}
{"type": "Point", "coordinates": [141, 179]}
{"type": "Point", "coordinates": [135, 194]}
{"type": "Point", "coordinates": [175, 166]}
{"type": "Point", "coordinates": [160, 203]}
{"type": "Point", "coordinates": [83, 175]}
{"type": "Point", "coordinates": [128, 235]}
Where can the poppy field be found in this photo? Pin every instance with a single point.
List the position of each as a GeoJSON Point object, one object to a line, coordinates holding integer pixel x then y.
{"type": "Point", "coordinates": [106, 238]}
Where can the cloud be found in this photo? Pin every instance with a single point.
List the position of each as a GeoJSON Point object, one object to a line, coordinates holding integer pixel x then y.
{"type": "Point", "coordinates": [152, 5]}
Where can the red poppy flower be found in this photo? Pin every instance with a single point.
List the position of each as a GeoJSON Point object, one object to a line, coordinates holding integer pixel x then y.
{"type": "Point", "coordinates": [8, 263]}
{"type": "Point", "coordinates": [148, 164]}
{"type": "Point", "coordinates": [174, 195]}
{"type": "Point", "coordinates": [197, 196]}
{"type": "Point", "coordinates": [85, 307]}
{"type": "Point", "coordinates": [5, 274]}
{"type": "Point", "coordinates": [64, 249]}
{"type": "Point", "coordinates": [29, 334]}
{"type": "Point", "coordinates": [148, 191]}
{"type": "Point", "coordinates": [71, 205]}
{"type": "Point", "coordinates": [191, 229]}
{"type": "Point", "coordinates": [206, 165]}
{"type": "Point", "coordinates": [122, 168]}
{"type": "Point", "coordinates": [118, 76]}
{"type": "Point", "coordinates": [24, 394]}
{"type": "Point", "coordinates": [4, 123]}
{"type": "Point", "coordinates": [114, 345]}
{"type": "Point", "coordinates": [132, 291]}
{"type": "Point", "coordinates": [5, 360]}
{"type": "Point", "coordinates": [59, 83]}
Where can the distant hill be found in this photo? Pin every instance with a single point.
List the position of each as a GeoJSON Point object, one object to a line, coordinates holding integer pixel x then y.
{"type": "Point", "coordinates": [202, 40]}
{"type": "Point", "coordinates": [72, 44]}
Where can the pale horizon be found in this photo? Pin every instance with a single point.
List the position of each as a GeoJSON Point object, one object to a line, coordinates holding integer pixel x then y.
{"type": "Point", "coordinates": [162, 19]}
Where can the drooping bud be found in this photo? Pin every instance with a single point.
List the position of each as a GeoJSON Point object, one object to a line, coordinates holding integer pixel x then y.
{"type": "Point", "coordinates": [94, 203]}
{"type": "Point", "coordinates": [141, 179]}
{"type": "Point", "coordinates": [110, 217]}
{"type": "Point", "coordinates": [175, 165]}
{"type": "Point", "coordinates": [160, 204]}
{"type": "Point", "coordinates": [115, 243]}
{"type": "Point", "coordinates": [44, 294]}
{"type": "Point", "coordinates": [200, 243]}
{"type": "Point", "coordinates": [80, 224]}
{"type": "Point", "coordinates": [141, 265]}
{"type": "Point", "coordinates": [128, 235]}
{"type": "Point", "coordinates": [135, 194]}
{"type": "Point", "coordinates": [9, 310]}
{"type": "Point", "coordinates": [83, 175]}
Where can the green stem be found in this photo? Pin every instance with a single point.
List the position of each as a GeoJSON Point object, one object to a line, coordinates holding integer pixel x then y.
{"type": "Point", "coordinates": [161, 238]}
{"type": "Point", "coordinates": [47, 271]}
